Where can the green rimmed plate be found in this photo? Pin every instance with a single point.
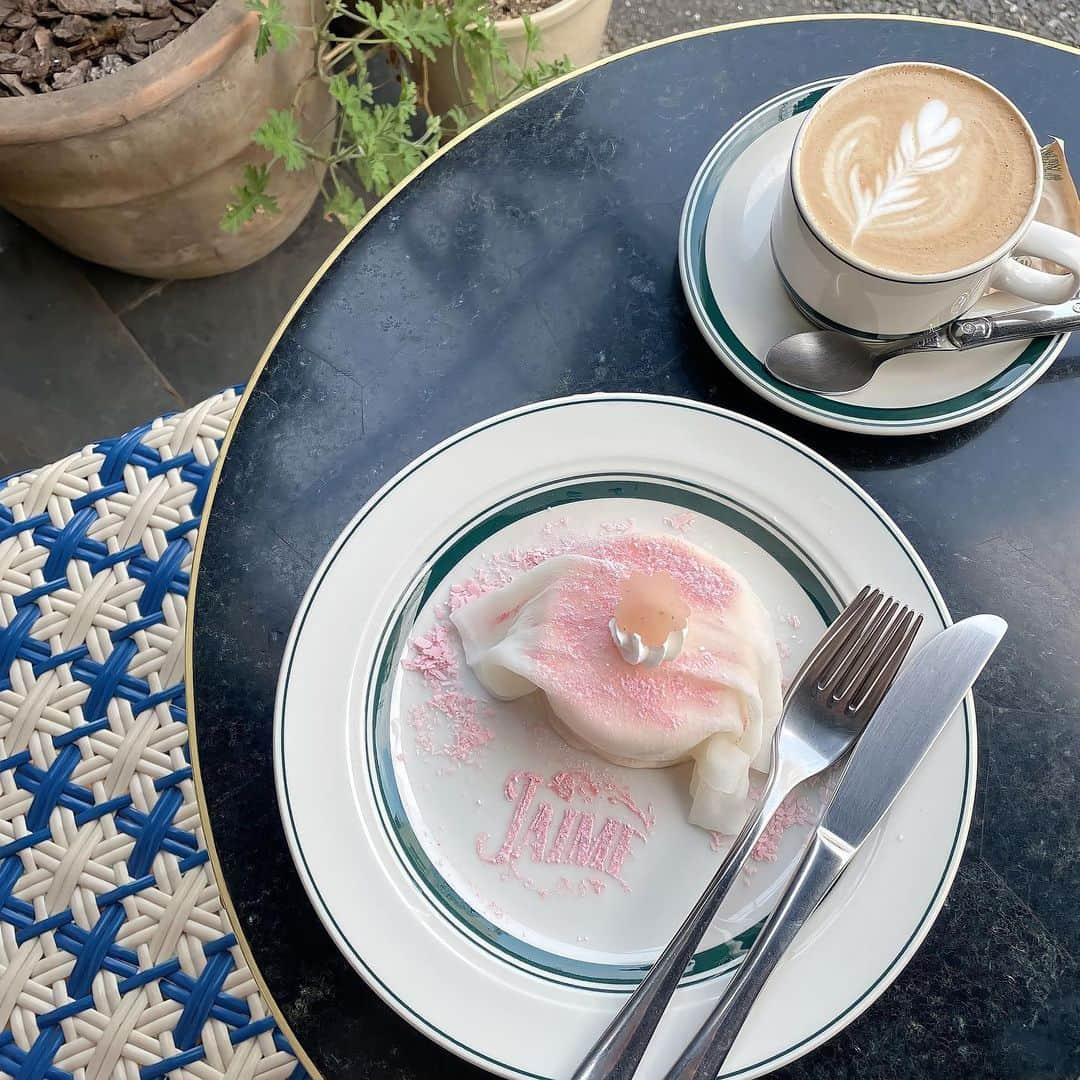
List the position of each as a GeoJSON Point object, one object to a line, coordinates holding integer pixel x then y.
{"type": "Point", "coordinates": [514, 970]}
{"type": "Point", "coordinates": [739, 304]}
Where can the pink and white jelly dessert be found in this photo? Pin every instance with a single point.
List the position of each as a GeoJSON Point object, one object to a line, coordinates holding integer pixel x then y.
{"type": "Point", "coordinates": [717, 702]}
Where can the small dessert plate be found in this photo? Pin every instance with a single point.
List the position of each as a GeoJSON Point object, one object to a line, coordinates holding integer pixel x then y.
{"type": "Point", "coordinates": [426, 820]}
{"type": "Point", "coordinates": [738, 300]}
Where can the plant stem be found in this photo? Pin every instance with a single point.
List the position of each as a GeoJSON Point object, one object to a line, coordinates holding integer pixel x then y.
{"type": "Point", "coordinates": [424, 86]}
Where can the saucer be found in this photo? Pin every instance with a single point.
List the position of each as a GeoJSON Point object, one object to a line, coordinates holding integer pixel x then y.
{"type": "Point", "coordinates": [738, 300]}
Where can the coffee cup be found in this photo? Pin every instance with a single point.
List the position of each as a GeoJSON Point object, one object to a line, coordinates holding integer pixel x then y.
{"type": "Point", "coordinates": [911, 190]}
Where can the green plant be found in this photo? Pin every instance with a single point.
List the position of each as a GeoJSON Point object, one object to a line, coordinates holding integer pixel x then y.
{"type": "Point", "coordinates": [380, 137]}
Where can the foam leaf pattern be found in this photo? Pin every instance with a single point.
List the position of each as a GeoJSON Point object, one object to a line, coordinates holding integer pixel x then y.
{"type": "Point", "coordinates": [894, 195]}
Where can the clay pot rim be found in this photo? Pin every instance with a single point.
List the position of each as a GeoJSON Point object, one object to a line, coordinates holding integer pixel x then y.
{"type": "Point", "coordinates": [144, 86]}
{"type": "Point", "coordinates": [549, 16]}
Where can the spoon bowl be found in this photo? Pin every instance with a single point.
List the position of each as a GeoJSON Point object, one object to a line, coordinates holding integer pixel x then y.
{"type": "Point", "coordinates": [825, 361]}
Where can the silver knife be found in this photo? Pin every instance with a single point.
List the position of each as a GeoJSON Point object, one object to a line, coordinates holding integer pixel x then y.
{"type": "Point", "coordinates": [914, 712]}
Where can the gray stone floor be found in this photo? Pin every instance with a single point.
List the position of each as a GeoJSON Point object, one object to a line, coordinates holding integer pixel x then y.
{"type": "Point", "coordinates": [86, 352]}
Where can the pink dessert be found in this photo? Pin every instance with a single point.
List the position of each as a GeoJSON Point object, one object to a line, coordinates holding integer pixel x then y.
{"type": "Point", "coordinates": [716, 699]}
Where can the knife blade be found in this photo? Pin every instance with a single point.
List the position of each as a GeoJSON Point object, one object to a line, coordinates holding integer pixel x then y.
{"type": "Point", "coordinates": [912, 715]}
{"type": "Point", "coordinates": [908, 721]}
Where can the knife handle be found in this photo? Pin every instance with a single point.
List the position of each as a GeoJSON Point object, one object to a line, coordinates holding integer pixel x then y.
{"type": "Point", "coordinates": [816, 874]}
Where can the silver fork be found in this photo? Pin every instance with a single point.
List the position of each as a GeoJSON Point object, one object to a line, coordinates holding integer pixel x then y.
{"type": "Point", "coordinates": [829, 703]}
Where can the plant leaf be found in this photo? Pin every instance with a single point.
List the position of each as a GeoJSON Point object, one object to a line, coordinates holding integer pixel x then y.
{"type": "Point", "coordinates": [274, 31]}
{"type": "Point", "coordinates": [543, 70]}
{"type": "Point", "coordinates": [344, 205]}
{"type": "Point", "coordinates": [458, 118]}
{"type": "Point", "coordinates": [409, 25]}
{"type": "Point", "coordinates": [280, 134]}
{"type": "Point", "coordinates": [248, 199]}
{"type": "Point", "coordinates": [532, 34]}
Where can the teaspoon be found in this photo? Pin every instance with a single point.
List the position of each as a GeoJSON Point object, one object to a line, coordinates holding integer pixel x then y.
{"type": "Point", "coordinates": [830, 362]}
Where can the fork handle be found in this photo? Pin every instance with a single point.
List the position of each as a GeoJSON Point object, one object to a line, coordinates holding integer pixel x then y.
{"type": "Point", "coordinates": [618, 1052]}
{"type": "Point", "coordinates": [822, 864]}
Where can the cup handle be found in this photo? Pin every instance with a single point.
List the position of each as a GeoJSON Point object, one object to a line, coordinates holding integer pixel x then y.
{"type": "Point", "coordinates": [1042, 241]}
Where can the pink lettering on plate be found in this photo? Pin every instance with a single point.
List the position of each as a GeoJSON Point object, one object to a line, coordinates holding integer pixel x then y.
{"type": "Point", "coordinates": [596, 829]}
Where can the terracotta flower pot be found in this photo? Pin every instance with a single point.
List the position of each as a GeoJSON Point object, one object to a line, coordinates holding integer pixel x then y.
{"type": "Point", "coordinates": [134, 170]}
{"type": "Point", "coordinates": [573, 28]}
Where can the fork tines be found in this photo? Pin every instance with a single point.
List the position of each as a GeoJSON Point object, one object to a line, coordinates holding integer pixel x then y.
{"type": "Point", "coordinates": [860, 659]}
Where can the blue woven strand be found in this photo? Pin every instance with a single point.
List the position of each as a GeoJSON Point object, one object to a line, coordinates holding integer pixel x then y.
{"type": "Point", "coordinates": [56, 785]}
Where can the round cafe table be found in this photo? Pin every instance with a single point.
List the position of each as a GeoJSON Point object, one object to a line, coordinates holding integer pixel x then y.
{"type": "Point", "coordinates": [537, 258]}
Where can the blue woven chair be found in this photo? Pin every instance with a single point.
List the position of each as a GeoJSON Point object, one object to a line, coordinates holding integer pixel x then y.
{"type": "Point", "coordinates": [117, 959]}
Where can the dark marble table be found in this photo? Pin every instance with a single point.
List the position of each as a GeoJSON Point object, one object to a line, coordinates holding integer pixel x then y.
{"type": "Point", "coordinates": [537, 259]}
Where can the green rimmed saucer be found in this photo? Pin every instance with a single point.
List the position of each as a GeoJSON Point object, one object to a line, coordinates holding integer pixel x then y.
{"type": "Point", "coordinates": [738, 301]}
{"type": "Point", "coordinates": [390, 841]}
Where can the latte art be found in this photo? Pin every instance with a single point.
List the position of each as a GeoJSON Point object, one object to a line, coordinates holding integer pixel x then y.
{"type": "Point", "coordinates": [900, 194]}
{"type": "Point", "coordinates": [916, 168]}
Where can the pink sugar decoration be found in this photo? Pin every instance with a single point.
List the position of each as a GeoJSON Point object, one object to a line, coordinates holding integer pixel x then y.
{"type": "Point", "coordinates": [462, 592]}
{"type": "Point", "coordinates": [616, 528]}
{"type": "Point", "coordinates": [517, 783]}
{"type": "Point", "coordinates": [460, 717]}
{"type": "Point", "coordinates": [576, 659]}
{"type": "Point", "coordinates": [590, 783]}
{"type": "Point", "coordinates": [602, 845]}
{"type": "Point", "coordinates": [619, 853]}
{"type": "Point", "coordinates": [792, 620]}
{"type": "Point", "coordinates": [557, 854]}
{"type": "Point", "coordinates": [537, 833]}
{"type": "Point", "coordinates": [582, 845]}
{"type": "Point", "coordinates": [433, 656]}
{"type": "Point", "coordinates": [783, 649]}
{"type": "Point", "coordinates": [794, 810]}
{"type": "Point", "coordinates": [682, 522]}
{"type": "Point", "coordinates": [577, 841]}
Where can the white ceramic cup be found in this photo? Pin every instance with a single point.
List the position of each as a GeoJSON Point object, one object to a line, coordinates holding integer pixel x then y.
{"type": "Point", "coordinates": [844, 293]}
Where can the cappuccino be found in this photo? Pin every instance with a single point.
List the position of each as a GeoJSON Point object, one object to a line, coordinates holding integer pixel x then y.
{"type": "Point", "coordinates": [915, 169]}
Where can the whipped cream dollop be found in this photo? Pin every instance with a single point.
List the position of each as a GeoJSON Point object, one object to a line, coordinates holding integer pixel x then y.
{"type": "Point", "coordinates": [650, 622]}
{"type": "Point", "coordinates": [715, 699]}
{"type": "Point", "coordinates": [634, 650]}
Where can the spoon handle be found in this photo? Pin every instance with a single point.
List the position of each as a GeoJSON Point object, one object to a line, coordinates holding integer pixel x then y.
{"type": "Point", "coordinates": [974, 330]}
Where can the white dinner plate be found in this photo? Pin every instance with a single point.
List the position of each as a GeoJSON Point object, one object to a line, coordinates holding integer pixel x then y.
{"type": "Point", "coordinates": [397, 799]}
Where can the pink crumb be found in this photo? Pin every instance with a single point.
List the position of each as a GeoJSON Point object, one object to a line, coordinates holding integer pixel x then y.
{"type": "Point", "coordinates": [433, 656]}
{"type": "Point", "coordinates": [460, 717]}
{"type": "Point", "coordinates": [463, 591]}
{"type": "Point", "coordinates": [784, 649]}
{"type": "Point", "coordinates": [616, 528]}
{"type": "Point", "coordinates": [792, 620]}
{"type": "Point", "coordinates": [794, 810]}
{"type": "Point", "coordinates": [683, 522]}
